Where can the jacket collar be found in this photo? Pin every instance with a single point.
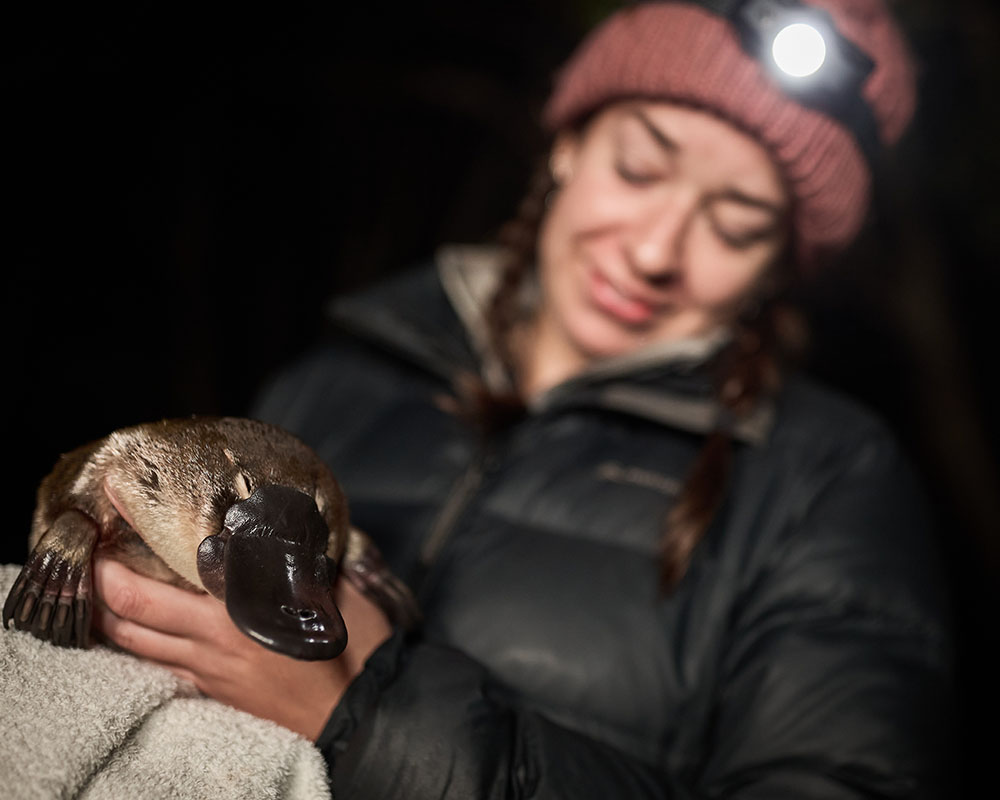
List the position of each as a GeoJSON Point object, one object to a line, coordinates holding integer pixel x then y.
{"type": "Point", "coordinates": [440, 324]}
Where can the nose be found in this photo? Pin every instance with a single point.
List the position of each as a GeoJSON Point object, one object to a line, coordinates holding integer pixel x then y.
{"type": "Point", "coordinates": [656, 239]}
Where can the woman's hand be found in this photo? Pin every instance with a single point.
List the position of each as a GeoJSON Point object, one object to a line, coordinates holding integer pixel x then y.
{"type": "Point", "coordinates": [193, 636]}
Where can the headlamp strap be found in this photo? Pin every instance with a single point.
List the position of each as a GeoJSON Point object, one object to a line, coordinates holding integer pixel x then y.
{"type": "Point", "coordinates": [835, 89]}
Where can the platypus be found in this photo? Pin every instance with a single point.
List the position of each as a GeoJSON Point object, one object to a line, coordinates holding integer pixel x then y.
{"type": "Point", "coordinates": [234, 507]}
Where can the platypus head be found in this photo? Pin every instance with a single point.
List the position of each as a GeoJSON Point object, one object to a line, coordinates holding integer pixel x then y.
{"type": "Point", "coordinates": [269, 566]}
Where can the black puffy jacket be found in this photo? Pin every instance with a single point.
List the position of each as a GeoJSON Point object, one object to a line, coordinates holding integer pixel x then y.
{"type": "Point", "coordinates": [803, 654]}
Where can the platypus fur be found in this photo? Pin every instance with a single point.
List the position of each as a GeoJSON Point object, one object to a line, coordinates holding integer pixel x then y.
{"type": "Point", "coordinates": [234, 507]}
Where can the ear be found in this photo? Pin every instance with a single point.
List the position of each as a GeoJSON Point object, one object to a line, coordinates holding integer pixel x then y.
{"type": "Point", "coordinates": [562, 158]}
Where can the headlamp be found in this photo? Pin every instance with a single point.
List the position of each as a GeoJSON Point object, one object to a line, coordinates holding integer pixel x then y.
{"type": "Point", "coordinates": [805, 54]}
{"type": "Point", "coordinates": [799, 50]}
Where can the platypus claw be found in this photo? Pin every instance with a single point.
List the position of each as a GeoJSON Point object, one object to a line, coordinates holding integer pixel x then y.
{"type": "Point", "coordinates": [51, 599]}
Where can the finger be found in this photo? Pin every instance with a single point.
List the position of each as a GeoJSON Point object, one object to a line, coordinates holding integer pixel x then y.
{"type": "Point", "coordinates": [170, 650]}
{"type": "Point", "coordinates": [129, 636]}
{"type": "Point", "coordinates": [154, 604]}
{"type": "Point", "coordinates": [185, 675]}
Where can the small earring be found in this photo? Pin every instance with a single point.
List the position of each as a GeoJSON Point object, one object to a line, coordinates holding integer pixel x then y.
{"type": "Point", "coordinates": [559, 168]}
{"type": "Point", "coordinates": [560, 175]}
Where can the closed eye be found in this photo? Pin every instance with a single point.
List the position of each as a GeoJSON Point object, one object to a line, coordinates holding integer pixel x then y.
{"type": "Point", "coordinates": [740, 221]}
{"type": "Point", "coordinates": [643, 153]}
{"type": "Point", "coordinates": [244, 487]}
{"type": "Point", "coordinates": [743, 240]}
{"type": "Point", "coordinates": [634, 177]}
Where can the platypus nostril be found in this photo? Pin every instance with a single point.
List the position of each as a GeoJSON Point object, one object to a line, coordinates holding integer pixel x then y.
{"type": "Point", "coordinates": [303, 614]}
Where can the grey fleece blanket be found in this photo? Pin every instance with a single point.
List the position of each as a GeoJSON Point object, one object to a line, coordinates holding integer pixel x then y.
{"type": "Point", "coordinates": [101, 724]}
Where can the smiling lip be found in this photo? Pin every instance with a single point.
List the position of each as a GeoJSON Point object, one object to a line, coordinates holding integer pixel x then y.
{"type": "Point", "coordinates": [615, 303]}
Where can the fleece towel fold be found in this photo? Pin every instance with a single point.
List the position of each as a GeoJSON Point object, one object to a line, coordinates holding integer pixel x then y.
{"type": "Point", "coordinates": [98, 724]}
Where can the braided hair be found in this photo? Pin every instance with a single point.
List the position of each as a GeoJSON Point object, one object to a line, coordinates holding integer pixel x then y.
{"type": "Point", "coordinates": [746, 372]}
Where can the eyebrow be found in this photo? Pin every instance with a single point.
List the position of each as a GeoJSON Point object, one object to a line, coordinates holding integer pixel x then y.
{"type": "Point", "coordinates": [669, 145]}
{"type": "Point", "coordinates": [659, 136]}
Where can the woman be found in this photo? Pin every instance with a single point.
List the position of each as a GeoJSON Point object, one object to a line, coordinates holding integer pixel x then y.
{"type": "Point", "coordinates": [650, 563]}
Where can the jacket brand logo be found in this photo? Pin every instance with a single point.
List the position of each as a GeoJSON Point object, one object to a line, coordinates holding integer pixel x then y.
{"type": "Point", "coordinates": [620, 473]}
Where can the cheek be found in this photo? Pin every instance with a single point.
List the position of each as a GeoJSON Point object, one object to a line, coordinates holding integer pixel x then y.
{"type": "Point", "coordinates": [716, 283]}
{"type": "Point", "coordinates": [587, 207]}
{"type": "Point", "coordinates": [573, 231]}
{"type": "Point", "coordinates": [721, 277]}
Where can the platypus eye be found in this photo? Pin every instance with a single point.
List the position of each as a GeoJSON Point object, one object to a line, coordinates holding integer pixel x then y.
{"type": "Point", "coordinates": [244, 487]}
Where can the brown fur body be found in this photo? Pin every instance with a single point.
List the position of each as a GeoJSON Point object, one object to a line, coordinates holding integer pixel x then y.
{"type": "Point", "coordinates": [151, 494]}
{"type": "Point", "coordinates": [174, 481]}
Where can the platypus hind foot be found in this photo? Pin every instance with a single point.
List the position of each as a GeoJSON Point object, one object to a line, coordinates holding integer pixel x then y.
{"type": "Point", "coordinates": [51, 597]}
{"type": "Point", "coordinates": [363, 566]}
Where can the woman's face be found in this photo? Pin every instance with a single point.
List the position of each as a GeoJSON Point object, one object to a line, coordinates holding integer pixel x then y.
{"type": "Point", "coordinates": [665, 222]}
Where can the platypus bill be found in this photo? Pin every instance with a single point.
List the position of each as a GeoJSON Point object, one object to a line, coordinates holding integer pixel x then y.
{"type": "Point", "coordinates": [234, 507]}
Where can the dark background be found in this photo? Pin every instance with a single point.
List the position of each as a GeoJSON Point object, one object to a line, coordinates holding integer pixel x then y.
{"type": "Point", "coordinates": [183, 191]}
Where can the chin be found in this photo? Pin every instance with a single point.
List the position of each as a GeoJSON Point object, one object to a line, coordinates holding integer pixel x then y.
{"type": "Point", "coordinates": [599, 338]}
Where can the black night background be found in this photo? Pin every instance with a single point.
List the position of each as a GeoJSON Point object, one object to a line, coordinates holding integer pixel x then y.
{"type": "Point", "coordinates": [184, 190]}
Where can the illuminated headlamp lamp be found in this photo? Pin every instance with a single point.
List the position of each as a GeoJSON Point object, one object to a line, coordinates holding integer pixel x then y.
{"type": "Point", "coordinates": [805, 54]}
{"type": "Point", "coordinates": [809, 58]}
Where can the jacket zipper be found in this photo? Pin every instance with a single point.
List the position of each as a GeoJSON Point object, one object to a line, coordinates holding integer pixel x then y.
{"type": "Point", "coordinates": [461, 494]}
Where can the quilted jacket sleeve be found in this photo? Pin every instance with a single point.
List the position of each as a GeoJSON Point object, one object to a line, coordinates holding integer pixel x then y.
{"type": "Point", "coordinates": [835, 683]}
{"type": "Point", "coordinates": [837, 678]}
{"type": "Point", "coordinates": [424, 721]}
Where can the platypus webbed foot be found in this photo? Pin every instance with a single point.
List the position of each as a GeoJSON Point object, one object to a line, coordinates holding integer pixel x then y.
{"type": "Point", "coordinates": [364, 568]}
{"type": "Point", "coordinates": [51, 597]}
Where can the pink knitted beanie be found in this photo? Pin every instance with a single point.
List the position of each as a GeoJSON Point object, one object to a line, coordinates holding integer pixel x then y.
{"type": "Point", "coordinates": [682, 52]}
